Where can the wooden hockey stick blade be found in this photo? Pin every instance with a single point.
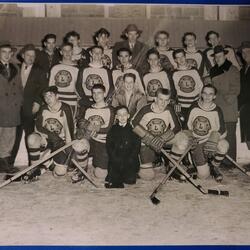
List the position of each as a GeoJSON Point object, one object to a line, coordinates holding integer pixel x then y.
{"type": "Point", "coordinates": [20, 173]}
{"type": "Point", "coordinates": [238, 166]}
{"type": "Point", "coordinates": [154, 200]}
{"type": "Point", "coordinates": [84, 172]}
{"type": "Point", "coordinates": [218, 192]}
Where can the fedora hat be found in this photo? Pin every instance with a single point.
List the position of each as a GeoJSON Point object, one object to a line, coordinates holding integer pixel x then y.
{"type": "Point", "coordinates": [7, 44]}
{"type": "Point", "coordinates": [132, 27]}
{"type": "Point", "coordinates": [219, 49]}
{"type": "Point", "coordinates": [27, 47]}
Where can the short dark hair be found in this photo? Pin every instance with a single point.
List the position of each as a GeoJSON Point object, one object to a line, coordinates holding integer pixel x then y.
{"type": "Point", "coordinates": [66, 44]}
{"type": "Point", "coordinates": [210, 32]}
{"type": "Point", "coordinates": [52, 89]}
{"type": "Point", "coordinates": [121, 107]}
{"type": "Point", "coordinates": [96, 47]}
{"type": "Point", "coordinates": [159, 33]}
{"type": "Point", "coordinates": [98, 86]}
{"type": "Point", "coordinates": [211, 86]}
{"type": "Point", "coordinates": [177, 51]}
{"type": "Point", "coordinates": [129, 75]}
{"type": "Point", "coordinates": [69, 34]}
{"type": "Point", "coordinates": [153, 51]}
{"type": "Point", "coordinates": [48, 36]}
{"type": "Point", "coordinates": [102, 31]}
{"type": "Point", "coordinates": [188, 34]}
{"type": "Point", "coordinates": [163, 91]}
{"type": "Point", "coordinates": [123, 50]}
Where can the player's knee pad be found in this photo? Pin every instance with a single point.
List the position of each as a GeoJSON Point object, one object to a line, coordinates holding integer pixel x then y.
{"type": "Point", "coordinates": [222, 146]}
{"type": "Point", "coordinates": [59, 170]}
{"type": "Point", "coordinates": [34, 140]}
{"type": "Point", "coordinates": [203, 171]}
{"type": "Point", "coordinates": [100, 173]}
{"type": "Point", "coordinates": [81, 145]}
{"type": "Point", "coordinates": [181, 141]}
{"type": "Point", "coordinates": [147, 172]}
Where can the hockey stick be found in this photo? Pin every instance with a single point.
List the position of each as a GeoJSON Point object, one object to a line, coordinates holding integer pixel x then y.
{"type": "Point", "coordinates": [84, 172]}
{"type": "Point", "coordinates": [20, 173]}
{"type": "Point", "coordinates": [154, 199]}
{"type": "Point", "coordinates": [238, 166]}
{"type": "Point", "coordinates": [189, 178]}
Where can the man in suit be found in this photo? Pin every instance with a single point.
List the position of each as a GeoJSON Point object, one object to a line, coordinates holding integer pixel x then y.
{"type": "Point", "coordinates": [10, 105]}
{"type": "Point", "coordinates": [137, 48]}
{"type": "Point", "coordinates": [33, 80]}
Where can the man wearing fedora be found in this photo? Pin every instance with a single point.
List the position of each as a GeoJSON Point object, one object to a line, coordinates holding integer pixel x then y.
{"type": "Point", "coordinates": [33, 80]}
{"type": "Point", "coordinates": [137, 48]}
{"type": "Point", "coordinates": [11, 98]}
{"type": "Point", "coordinates": [226, 78]}
{"type": "Point", "coordinates": [244, 96]}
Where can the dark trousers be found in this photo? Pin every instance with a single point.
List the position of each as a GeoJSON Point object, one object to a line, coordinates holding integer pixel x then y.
{"type": "Point", "coordinates": [231, 138]}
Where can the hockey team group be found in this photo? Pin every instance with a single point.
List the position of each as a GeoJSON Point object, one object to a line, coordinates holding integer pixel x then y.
{"type": "Point", "coordinates": [120, 108]}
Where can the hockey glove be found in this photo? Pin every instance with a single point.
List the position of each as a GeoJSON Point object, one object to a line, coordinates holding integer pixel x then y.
{"type": "Point", "coordinates": [211, 144]}
{"type": "Point", "coordinates": [55, 141]}
{"type": "Point", "coordinates": [167, 136]}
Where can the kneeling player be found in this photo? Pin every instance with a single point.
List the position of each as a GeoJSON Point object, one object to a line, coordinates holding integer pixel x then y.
{"type": "Point", "coordinates": [158, 126]}
{"type": "Point", "coordinates": [53, 129]}
{"type": "Point", "coordinates": [207, 123]}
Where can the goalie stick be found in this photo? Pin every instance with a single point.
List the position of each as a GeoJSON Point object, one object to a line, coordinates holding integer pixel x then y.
{"type": "Point", "coordinates": [238, 166]}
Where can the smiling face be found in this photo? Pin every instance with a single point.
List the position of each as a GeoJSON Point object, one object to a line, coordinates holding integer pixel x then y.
{"type": "Point", "coordinates": [97, 55]}
{"type": "Point", "coordinates": [129, 83]}
{"type": "Point", "coordinates": [98, 95]}
{"type": "Point", "coordinates": [122, 116]}
{"type": "Point", "coordinates": [67, 52]}
{"type": "Point", "coordinates": [214, 40]}
{"type": "Point", "coordinates": [162, 40]}
{"type": "Point", "coordinates": [190, 41]}
{"type": "Point", "coordinates": [74, 40]}
{"type": "Point", "coordinates": [5, 54]}
{"type": "Point", "coordinates": [132, 36]}
{"type": "Point", "coordinates": [50, 44]}
{"type": "Point", "coordinates": [153, 60]}
{"type": "Point", "coordinates": [208, 95]}
{"type": "Point", "coordinates": [180, 59]}
{"type": "Point", "coordinates": [162, 101]}
{"type": "Point", "coordinates": [124, 57]}
{"type": "Point", "coordinates": [50, 98]}
{"type": "Point", "coordinates": [103, 40]}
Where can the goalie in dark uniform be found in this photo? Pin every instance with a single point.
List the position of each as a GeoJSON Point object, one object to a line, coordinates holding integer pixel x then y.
{"type": "Point", "coordinates": [53, 129]}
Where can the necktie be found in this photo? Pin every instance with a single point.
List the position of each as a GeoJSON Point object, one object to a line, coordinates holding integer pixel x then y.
{"type": "Point", "coordinates": [7, 69]}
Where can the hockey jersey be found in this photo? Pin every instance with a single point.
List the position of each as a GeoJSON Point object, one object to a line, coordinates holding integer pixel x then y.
{"type": "Point", "coordinates": [203, 121]}
{"type": "Point", "coordinates": [188, 85]}
{"type": "Point", "coordinates": [59, 122]}
{"type": "Point", "coordinates": [102, 117]}
{"type": "Point", "coordinates": [64, 77]}
{"type": "Point", "coordinates": [167, 60]}
{"type": "Point", "coordinates": [156, 123]}
{"type": "Point", "coordinates": [90, 76]}
{"type": "Point", "coordinates": [118, 74]}
{"type": "Point", "coordinates": [153, 81]}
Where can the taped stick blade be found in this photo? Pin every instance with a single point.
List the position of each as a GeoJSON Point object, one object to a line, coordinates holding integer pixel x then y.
{"type": "Point", "coordinates": [155, 200]}
{"type": "Point", "coordinates": [218, 192]}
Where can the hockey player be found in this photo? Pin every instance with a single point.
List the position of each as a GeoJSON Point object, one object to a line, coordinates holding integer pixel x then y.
{"type": "Point", "coordinates": [54, 129]}
{"type": "Point", "coordinates": [156, 77]}
{"type": "Point", "coordinates": [80, 55]}
{"type": "Point", "coordinates": [101, 38]}
{"type": "Point", "coordinates": [123, 148]}
{"type": "Point", "coordinates": [95, 73]}
{"type": "Point", "coordinates": [206, 122]}
{"type": "Point", "coordinates": [96, 121]}
{"type": "Point", "coordinates": [159, 124]}
{"type": "Point", "coordinates": [64, 76]}
{"type": "Point", "coordinates": [194, 57]}
{"type": "Point", "coordinates": [125, 66]}
{"type": "Point", "coordinates": [162, 40]}
{"type": "Point", "coordinates": [213, 39]}
{"type": "Point", "coordinates": [129, 95]}
{"type": "Point", "coordinates": [187, 82]}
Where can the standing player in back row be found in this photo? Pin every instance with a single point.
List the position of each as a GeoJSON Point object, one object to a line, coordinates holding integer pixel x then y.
{"type": "Point", "coordinates": [64, 76]}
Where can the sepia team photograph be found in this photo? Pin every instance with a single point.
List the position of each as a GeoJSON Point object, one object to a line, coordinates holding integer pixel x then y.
{"type": "Point", "coordinates": [124, 124]}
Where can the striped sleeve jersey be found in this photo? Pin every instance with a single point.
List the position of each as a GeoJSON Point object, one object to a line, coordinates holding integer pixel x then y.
{"type": "Point", "coordinates": [196, 60]}
{"type": "Point", "coordinates": [203, 121]}
{"type": "Point", "coordinates": [188, 85]}
{"type": "Point", "coordinates": [64, 77]}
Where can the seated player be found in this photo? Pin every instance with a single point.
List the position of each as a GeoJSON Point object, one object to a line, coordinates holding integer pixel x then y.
{"type": "Point", "coordinates": [123, 148]}
{"type": "Point", "coordinates": [162, 40]}
{"type": "Point", "coordinates": [157, 125]}
{"type": "Point", "coordinates": [54, 128]}
{"type": "Point", "coordinates": [95, 73]}
{"type": "Point", "coordinates": [64, 77]}
{"type": "Point", "coordinates": [187, 82]}
{"type": "Point", "coordinates": [129, 95]}
{"type": "Point", "coordinates": [102, 38]}
{"type": "Point", "coordinates": [80, 55]}
{"type": "Point", "coordinates": [206, 122]}
{"type": "Point", "coordinates": [194, 57]}
{"type": "Point", "coordinates": [96, 121]}
{"type": "Point", "coordinates": [125, 66]}
{"type": "Point", "coordinates": [156, 77]}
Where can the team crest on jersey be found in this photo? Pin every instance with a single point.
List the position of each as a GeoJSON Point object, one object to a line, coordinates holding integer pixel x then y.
{"type": "Point", "coordinates": [93, 79]}
{"type": "Point", "coordinates": [201, 126]}
{"type": "Point", "coordinates": [106, 61]}
{"type": "Point", "coordinates": [63, 78]}
{"type": "Point", "coordinates": [156, 126]}
{"type": "Point", "coordinates": [153, 86]}
{"type": "Point", "coordinates": [53, 125]}
{"type": "Point", "coordinates": [119, 82]}
{"type": "Point", "coordinates": [97, 121]}
{"type": "Point", "coordinates": [186, 84]}
{"type": "Point", "coordinates": [192, 63]}
{"type": "Point", "coordinates": [165, 62]}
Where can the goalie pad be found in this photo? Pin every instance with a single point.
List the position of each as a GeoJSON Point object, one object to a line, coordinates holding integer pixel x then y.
{"type": "Point", "coordinates": [211, 144]}
{"type": "Point", "coordinates": [154, 142]}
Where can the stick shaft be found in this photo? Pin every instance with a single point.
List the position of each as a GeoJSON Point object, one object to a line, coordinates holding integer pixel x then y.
{"type": "Point", "coordinates": [20, 173]}
{"type": "Point", "coordinates": [237, 165]}
{"type": "Point", "coordinates": [84, 172]}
